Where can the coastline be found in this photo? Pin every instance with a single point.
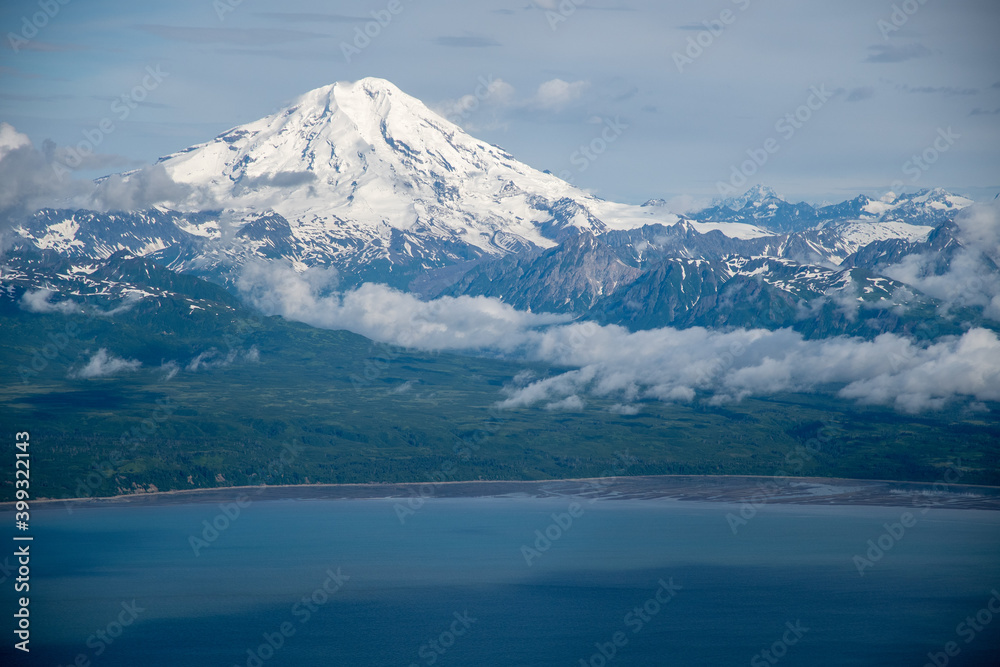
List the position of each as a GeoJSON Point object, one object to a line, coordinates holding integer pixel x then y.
{"type": "Point", "coordinates": [711, 488]}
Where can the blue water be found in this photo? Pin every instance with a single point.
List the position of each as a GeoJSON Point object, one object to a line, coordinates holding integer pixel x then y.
{"type": "Point", "coordinates": [455, 573]}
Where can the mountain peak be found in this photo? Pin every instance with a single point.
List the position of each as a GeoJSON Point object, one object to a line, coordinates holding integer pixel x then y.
{"type": "Point", "coordinates": [756, 194]}
{"type": "Point", "coordinates": [362, 159]}
{"type": "Point", "coordinates": [370, 94]}
{"type": "Point", "coordinates": [372, 84]}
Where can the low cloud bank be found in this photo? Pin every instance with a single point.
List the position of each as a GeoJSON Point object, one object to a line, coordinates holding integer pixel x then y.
{"type": "Point", "coordinates": [137, 190]}
{"type": "Point", "coordinates": [387, 315]}
{"type": "Point", "coordinates": [27, 178]}
{"type": "Point", "coordinates": [971, 277]}
{"type": "Point", "coordinates": [31, 179]}
{"type": "Point", "coordinates": [662, 364]}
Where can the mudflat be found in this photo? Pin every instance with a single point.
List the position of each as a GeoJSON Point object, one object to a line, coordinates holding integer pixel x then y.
{"type": "Point", "coordinates": [721, 488]}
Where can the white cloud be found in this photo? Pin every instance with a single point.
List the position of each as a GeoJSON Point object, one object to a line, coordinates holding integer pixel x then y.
{"type": "Point", "coordinates": [569, 404]}
{"type": "Point", "coordinates": [138, 190]}
{"type": "Point", "coordinates": [674, 365]}
{"type": "Point", "coordinates": [102, 364]}
{"type": "Point", "coordinates": [31, 179]}
{"type": "Point", "coordinates": [681, 204]}
{"type": "Point", "coordinates": [971, 278]}
{"type": "Point", "coordinates": [403, 387]}
{"type": "Point", "coordinates": [169, 370]}
{"type": "Point", "coordinates": [969, 366]}
{"type": "Point", "coordinates": [489, 94]}
{"type": "Point", "coordinates": [212, 358]}
{"type": "Point", "coordinates": [492, 99]}
{"type": "Point", "coordinates": [130, 301]}
{"type": "Point", "coordinates": [11, 139]}
{"type": "Point", "coordinates": [980, 228]}
{"type": "Point", "coordinates": [662, 364]}
{"type": "Point", "coordinates": [39, 301]}
{"type": "Point", "coordinates": [385, 314]}
{"type": "Point", "coordinates": [557, 94]}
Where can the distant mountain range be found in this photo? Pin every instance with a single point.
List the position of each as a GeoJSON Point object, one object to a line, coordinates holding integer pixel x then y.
{"type": "Point", "coordinates": [761, 206]}
{"type": "Point", "coordinates": [365, 179]}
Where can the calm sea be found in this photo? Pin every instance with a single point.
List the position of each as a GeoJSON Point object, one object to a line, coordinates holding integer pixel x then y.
{"type": "Point", "coordinates": [609, 583]}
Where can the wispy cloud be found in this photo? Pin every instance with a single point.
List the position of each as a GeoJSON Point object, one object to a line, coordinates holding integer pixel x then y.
{"type": "Point", "coordinates": [555, 5]}
{"type": "Point", "coordinates": [14, 71]}
{"type": "Point", "coordinates": [29, 97]}
{"type": "Point", "coordinates": [467, 41]}
{"type": "Point", "coordinates": [311, 17]}
{"type": "Point", "coordinates": [939, 90]}
{"type": "Point", "coordinates": [212, 358]}
{"type": "Point", "coordinates": [860, 94]}
{"type": "Point", "coordinates": [236, 36]}
{"type": "Point", "coordinates": [295, 55]}
{"type": "Point", "coordinates": [144, 103]}
{"type": "Point", "coordinates": [891, 53]}
{"type": "Point", "coordinates": [103, 364]}
{"type": "Point", "coordinates": [44, 47]}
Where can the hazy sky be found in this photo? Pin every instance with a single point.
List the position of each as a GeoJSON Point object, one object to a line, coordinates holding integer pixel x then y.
{"type": "Point", "coordinates": [686, 113]}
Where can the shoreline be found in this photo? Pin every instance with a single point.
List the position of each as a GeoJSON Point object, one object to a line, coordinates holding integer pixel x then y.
{"type": "Point", "coordinates": [737, 489]}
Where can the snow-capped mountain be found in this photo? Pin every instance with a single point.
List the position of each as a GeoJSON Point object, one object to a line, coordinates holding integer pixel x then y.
{"type": "Point", "coordinates": [364, 168]}
{"type": "Point", "coordinates": [365, 179]}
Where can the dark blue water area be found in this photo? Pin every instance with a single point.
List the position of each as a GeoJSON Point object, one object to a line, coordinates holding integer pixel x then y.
{"type": "Point", "coordinates": [621, 583]}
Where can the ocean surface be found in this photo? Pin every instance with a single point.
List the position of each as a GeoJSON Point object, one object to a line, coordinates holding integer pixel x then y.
{"type": "Point", "coordinates": [470, 582]}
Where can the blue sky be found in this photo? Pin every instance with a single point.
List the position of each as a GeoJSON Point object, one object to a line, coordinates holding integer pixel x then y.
{"type": "Point", "coordinates": [688, 113]}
